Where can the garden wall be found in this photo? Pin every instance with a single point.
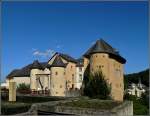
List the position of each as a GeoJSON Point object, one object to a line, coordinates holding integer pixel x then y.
{"type": "Point", "coordinates": [125, 109]}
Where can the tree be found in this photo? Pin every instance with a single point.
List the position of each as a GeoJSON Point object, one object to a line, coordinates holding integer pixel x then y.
{"type": "Point", "coordinates": [95, 86]}
{"type": "Point", "coordinates": [23, 88]}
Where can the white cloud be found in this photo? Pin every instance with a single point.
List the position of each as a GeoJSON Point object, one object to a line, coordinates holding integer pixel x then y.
{"type": "Point", "coordinates": [46, 53]}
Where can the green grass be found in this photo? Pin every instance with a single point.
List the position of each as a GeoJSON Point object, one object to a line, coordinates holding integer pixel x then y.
{"type": "Point", "coordinates": [95, 103]}
{"type": "Point", "coordinates": [24, 103]}
{"type": "Point", "coordinates": [8, 108]}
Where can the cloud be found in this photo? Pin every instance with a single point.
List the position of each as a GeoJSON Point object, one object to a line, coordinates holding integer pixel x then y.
{"type": "Point", "coordinates": [46, 53]}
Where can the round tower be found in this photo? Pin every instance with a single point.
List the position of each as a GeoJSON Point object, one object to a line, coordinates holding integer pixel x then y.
{"type": "Point", "coordinates": [58, 82]}
{"type": "Point", "coordinates": [99, 62]}
{"type": "Point", "coordinates": [102, 57]}
{"type": "Point", "coordinates": [36, 68]}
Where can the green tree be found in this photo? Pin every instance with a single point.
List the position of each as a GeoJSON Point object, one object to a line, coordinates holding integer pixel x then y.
{"type": "Point", "coordinates": [23, 86]}
{"type": "Point", "coordinates": [95, 86]}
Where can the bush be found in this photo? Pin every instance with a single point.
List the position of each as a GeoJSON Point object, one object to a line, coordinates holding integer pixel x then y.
{"type": "Point", "coordinates": [9, 108]}
{"type": "Point", "coordinates": [140, 106]}
{"type": "Point", "coordinates": [95, 86]}
{"type": "Point", "coordinates": [24, 88]}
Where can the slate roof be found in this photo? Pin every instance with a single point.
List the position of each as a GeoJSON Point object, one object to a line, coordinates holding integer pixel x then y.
{"type": "Point", "coordinates": [36, 65]}
{"type": "Point", "coordinates": [68, 58]}
{"type": "Point", "coordinates": [103, 47]}
{"type": "Point", "coordinates": [25, 71]}
{"type": "Point", "coordinates": [58, 62]}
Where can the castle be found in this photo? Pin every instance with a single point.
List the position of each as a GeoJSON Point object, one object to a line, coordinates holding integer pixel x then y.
{"type": "Point", "coordinates": [62, 72]}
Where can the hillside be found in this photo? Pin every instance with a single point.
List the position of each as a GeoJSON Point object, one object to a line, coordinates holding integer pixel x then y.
{"type": "Point", "coordinates": [134, 78]}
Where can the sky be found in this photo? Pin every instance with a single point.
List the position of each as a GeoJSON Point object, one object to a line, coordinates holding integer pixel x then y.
{"type": "Point", "coordinates": [35, 30]}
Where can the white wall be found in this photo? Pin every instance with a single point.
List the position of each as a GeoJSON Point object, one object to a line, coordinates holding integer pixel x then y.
{"type": "Point", "coordinates": [79, 79]}
{"type": "Point", "coordinates": [19, 80]}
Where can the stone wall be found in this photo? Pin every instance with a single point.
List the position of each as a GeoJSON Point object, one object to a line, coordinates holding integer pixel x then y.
{"type": "Point", "coordinates": [125, 109]}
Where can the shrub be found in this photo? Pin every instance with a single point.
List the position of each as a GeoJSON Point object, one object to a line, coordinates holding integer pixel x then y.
{"type": "Point", "coordinates": [95, 86]}
{"type": "Point", "coordinates": [24, 88]}
{"type": "Point", "coordinates": [9, 108]}
{"type": "Point", "coordinates": [139, 104]}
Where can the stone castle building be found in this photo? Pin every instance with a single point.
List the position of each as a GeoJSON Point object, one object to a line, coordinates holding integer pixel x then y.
{"type": "Point", "coordinates": [62, 72]}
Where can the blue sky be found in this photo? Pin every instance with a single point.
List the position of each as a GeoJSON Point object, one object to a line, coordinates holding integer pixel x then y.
{"type": "Point", "coordinates": [33, 30]}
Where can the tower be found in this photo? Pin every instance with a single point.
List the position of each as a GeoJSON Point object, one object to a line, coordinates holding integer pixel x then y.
{"type": "Point", "coordinates": [57, 81]}
{"type": "Point", "coordinates": [105, 58]}
{"type": "Point", "coordinates": [36, 68]}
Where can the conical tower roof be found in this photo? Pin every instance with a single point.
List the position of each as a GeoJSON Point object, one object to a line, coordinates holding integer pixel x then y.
{"type": "Point", "coordinates": [36, 65]}
{"type": "Point", "coordinates": [103, 47]}
{"type": "Point", "coordinates": [58, 62]}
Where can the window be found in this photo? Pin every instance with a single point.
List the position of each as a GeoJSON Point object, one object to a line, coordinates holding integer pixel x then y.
{"type": "Point", "coordinates": [72, 79]}
{"type": "Point", "coordinates": [60, 86]}
{"type": "Point", "coordinates": [80, 78]}
{"type": "Point", "coordinates": [56, 92]}
{"type": "Point", "coordinates": [56, 73]}
{"type": "Point", "coordinates": [64, 73]}
{"type": "Point", "coordinates": [72, 75]}
{"type": "Point", "coordinates": [80, 69]}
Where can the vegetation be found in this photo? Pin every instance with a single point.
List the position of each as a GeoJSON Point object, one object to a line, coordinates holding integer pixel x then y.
{"type": "Point", "coordinates": [95, 86]}
{"type": "Point", "coordinates": [8, 108]}
{"type": "Point", "coordinates": [140, 105]}
{"type": "Point", "coordinates": [134, 78]}
{"type": "Point", "coordinates": [23, 86]}
{"type": "Point", "coordinates": [23, 103]}
{"type": "Point", "coordinates": [92, 103]}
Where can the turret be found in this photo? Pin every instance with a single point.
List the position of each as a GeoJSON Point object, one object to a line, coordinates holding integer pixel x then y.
{"type": "Point", "coordinates": [36, 68]}
{"type": "Point", "coordinates": [58, 82]}
{"type": "Point", "coordinates": [103, 57]}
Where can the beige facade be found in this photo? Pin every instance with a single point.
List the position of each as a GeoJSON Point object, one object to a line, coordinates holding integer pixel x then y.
{"type": "Point", "coordinates": [70, 75]}
{"type": "Point", "coordinates": [112, 70]}
{"type": "Point", "coordinates": [61, 73]}
{"type": "Point", "coordinates": [58, 81]}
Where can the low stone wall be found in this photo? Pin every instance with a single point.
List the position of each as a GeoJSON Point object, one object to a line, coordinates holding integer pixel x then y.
{"type": "Point", "coordinates": [124, 109]}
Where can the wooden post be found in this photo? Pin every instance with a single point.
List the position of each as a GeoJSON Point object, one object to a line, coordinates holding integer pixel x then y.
{"type": "Point", "coordinates": [12, 91]}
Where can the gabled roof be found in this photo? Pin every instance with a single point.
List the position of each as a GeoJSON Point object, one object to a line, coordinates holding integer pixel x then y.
{"type": "Point", "coordinates": [58, 62]}
{"type": "Point", "coordinates": [68, 58]}
{"type": "Point", "coordinates": [103, 47]}
{"type": "Point", "coordinates": [65, 56]}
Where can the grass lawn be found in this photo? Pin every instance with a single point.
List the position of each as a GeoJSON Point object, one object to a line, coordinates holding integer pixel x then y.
{"type": "Point", "coordinates": [92, 103]}
{"type": "Point", "coordinates": [14, 107]}
{"type": "Point", "coordinates": [23, 103]}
